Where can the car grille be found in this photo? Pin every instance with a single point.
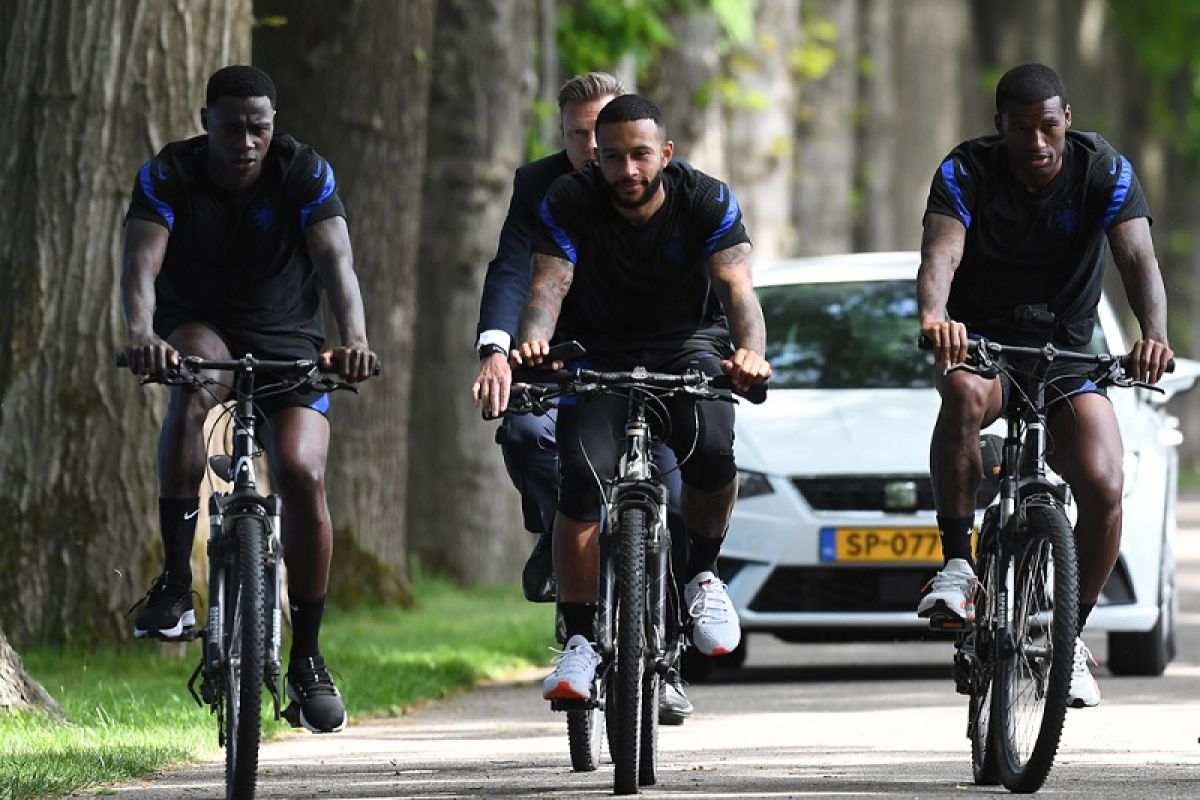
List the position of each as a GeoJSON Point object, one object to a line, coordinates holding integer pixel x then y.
{"type": "Point", "coordinates": [864, 493]}
{"type": "Point", "coordinates": [815, 589]}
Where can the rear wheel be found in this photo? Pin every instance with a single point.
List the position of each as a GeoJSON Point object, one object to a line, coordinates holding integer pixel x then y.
{"type": "Point", "coordinates": [980, 667]}
{"type": "Point", "coordinates": [243, 631]}
{"type": "Point", "coordinates": [648, 755]}
{"type": "Point", "coordinates": [583, 733]}
{"type": "Point", "coordinates": [630, 640]}
{"type": "Point", "coordinates": [1032, 681]}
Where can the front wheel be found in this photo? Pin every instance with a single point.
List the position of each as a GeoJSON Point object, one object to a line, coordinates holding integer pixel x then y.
{"type": "Point", "coordinates": [1033, 667]}
{"type": "Point", "coordinates": [631, 644]}
{"type": "Point", "coordinates": [243, 666]}
{"type": "Point", "coordinates": [979, 661]}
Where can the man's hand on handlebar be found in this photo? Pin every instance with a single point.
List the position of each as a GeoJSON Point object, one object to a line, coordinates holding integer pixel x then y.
{"type": "Point", "coordinates": [150, 355]}
{"type": "Point", "coordinates": [1148, 360]}
{"type": "Point", "coordinates": [492, 385]}
{"type": "Point", "coordinates": [354, 363]}
{"type": "Point", "coordinates": [746, 369]}
{"type": "Point", "coordinates": [535, 353]}
{"type": "Point", "coordinates": [949, 339]}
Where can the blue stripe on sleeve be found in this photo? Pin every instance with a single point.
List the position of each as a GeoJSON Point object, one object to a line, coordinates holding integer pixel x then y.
{"type": "Point", "coordinates": [560, 236]}
{"type": "Point", "coordinates": [1120, 191]}
{"type": "Point", "coordinates": [147, 184]}
{"type": "Point", "coordinates": [326, 190]}
{"type": "Point", "coordinates": [951, 181]}
{"type": "Point", "coordinates": [727, 222]}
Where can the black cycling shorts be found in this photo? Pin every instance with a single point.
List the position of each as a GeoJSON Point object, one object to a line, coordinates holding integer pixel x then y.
{"type": "Point", "coordinates": [268, 346]}
{"type": "Point", "coordinates": [591, 436]}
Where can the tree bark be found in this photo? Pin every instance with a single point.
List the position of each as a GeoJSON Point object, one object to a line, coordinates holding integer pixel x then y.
{"type": "Point", "coordinates": [353, 81]}
{"type": "Point", "coordinates": [463, 516]}
{"type": "Point", "coordinates": [90, 92]}
{"type": "Point", "coordinates": [19, 692]}
{"type": "Point", "coordinates": [762, 128]}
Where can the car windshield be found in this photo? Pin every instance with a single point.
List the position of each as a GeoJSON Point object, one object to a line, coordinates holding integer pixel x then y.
{"type": "Point", "coordinates": [846, 335]}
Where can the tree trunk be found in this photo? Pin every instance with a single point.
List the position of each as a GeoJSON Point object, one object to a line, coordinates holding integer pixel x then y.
{"type": "Point", "coordinates": [90, 92]}
{"type": "Point", "coordinates": [684, 83]}
{"type": "Point", "coordinates": [761, 127]}
{"type": "Point", "coordinates": [353, 80]}
{"type": "Point", "coordinates": [19, 692]}
{"type": "Point", "coordinates": [826, 147]}
{"type": "Point", "coordinates": [463, 516]}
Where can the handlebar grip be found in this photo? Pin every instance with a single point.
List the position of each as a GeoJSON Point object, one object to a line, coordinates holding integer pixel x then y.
{"type": "Point", "coordinates": [1124, 362]}
{"type": "Point", "coordinates": [121, 360]}
{"type": "Point", "coordinates": [541, 375]}
{"type": "Point", "coordinates": [756, 394]}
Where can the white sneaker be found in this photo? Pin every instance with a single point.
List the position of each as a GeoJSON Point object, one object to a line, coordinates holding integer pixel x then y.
{"type": "Point", "coordinates": [951, 595]}
{"type": "Point", "coordinates": [1084, 692]}
{"type": "Point", "coordinates": [575, 671]}
{"type": "Point", "coordinates": [715, 627]}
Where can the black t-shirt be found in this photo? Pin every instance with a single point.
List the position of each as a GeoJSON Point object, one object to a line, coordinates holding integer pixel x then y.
{"type": "Point", "coordinates": [239, 261]}
{"type": "Point", "coordinates": [1028, 248]}
{"type": "Point", "coordinates": [639, 287]}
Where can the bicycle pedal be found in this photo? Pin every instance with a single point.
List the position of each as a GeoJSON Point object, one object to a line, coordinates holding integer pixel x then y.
{"type": "Point", "coordinates": [572, 705]}
{"type": "Point", "coordinates": [292, 715]}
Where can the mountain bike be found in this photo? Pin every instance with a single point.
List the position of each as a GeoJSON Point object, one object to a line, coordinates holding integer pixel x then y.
{"type": "Point", "coordinates": [1014, 661]}
{"type": "Point", "coordinates": [638, 622]}
{"type": "Point", "coordinates": [241, 650]}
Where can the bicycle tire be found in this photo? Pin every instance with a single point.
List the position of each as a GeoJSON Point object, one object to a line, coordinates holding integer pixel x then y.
{"type": "Point", "coordinates": [1032, 682]}
{"type": "Point", "coordinates": [648, 749]}
{"type": "Point", "coordinates": [244, 662]}
{"type": "Point", "coordinates": [630, 641]}
{"type": "Point", "coordinates": [584, 736]}
{"type": "Point", "coordinates": [983, 753]}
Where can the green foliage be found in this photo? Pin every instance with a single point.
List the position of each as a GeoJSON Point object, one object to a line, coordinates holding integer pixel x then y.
{"type": "Point", "coordinates": [1163, 37]}
{"type": "Point", "coordinates": [128, 712]}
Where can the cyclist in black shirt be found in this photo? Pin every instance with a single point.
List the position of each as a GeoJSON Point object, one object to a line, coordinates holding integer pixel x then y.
{"type": "Point", "coordinates": [229, 239]}
{"type": "Point", "coordinates": [1016, 230]}
{"type": "Point", "coordinates": [645, 247]}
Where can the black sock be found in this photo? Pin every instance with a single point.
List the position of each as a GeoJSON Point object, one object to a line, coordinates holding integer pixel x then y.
{"type": "Point", "coordinates": [578, 618]}
{"type": "Point", "coordinates": [306, 628]}
{"type": "Point", "coordinates": [956, 537]}
{"type": "Point", "coordinates": [702, 555]}
{"type": "Point", "coordinates": [1084, 610]}
{"type": "Point", "coordinates": [177, 521]}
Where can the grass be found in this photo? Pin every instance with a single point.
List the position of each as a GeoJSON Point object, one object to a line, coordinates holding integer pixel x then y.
{"type": "Point", "coordinates": [128, 711]}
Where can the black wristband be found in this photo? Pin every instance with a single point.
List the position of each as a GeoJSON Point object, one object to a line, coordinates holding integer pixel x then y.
{"type": "Point", "coordinates": [491, 349]}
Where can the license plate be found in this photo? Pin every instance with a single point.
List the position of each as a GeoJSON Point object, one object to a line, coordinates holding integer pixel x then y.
{"type": "Point", "coordinates": [909, 545]}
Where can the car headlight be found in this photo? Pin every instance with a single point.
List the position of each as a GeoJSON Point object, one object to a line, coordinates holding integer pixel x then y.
{"type": "Point", "coordinates": [752, 484]}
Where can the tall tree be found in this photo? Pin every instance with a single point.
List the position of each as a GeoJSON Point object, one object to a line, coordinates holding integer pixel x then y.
{"type": "Point", "coordinates": [90, 91]}
{"type": "Point", "coordinates": [463, 516]}
{"type": "Point", "coordinates": [353, 80]}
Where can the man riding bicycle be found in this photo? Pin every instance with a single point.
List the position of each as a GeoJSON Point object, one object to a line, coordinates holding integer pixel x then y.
{"type": "Point", "coordinates": [229, 239]}
{"type": "Point", "coordinates": [646, 247]}
{"type": "Point", "coordinates": [1013, 250]}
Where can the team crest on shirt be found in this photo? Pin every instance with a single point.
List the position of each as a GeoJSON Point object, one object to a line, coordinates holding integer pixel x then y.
{"type": "Point", "coordinates": [673, 250]}
{"type": "Point", "coordinates": [1066, 219]}
{"type": "Point", "coordinates": [263, 215]}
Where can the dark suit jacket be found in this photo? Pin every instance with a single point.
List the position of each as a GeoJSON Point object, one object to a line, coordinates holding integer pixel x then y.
{"type": "Point", "coordinates": [506, 284]}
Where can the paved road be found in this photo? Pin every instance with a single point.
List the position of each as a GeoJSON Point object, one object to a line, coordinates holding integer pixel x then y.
{"type": "Point", "coordinates": [796, 721]}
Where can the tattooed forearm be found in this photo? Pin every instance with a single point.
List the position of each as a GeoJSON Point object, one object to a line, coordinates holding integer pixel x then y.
{"type": "Point", "coordinates": [729, 270]}
{"type": "Point", "coordinates": [942, 243]}
{"type": "Point", "coordinates": [551, 280]}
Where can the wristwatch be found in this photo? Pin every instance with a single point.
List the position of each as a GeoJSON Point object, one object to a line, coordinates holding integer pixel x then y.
{"type": "Point", "coordinates": [491, 349]}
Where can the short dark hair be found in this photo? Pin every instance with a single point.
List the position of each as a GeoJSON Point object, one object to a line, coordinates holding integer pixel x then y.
{"type": "Point", "coordinates": [588, 87]}
{"type": "Point", "coordinates": [631, 108]}
{"type": "Point", "coordinates": [239, 80]}
{"type": "Point", "coordinates": [1028, 84]}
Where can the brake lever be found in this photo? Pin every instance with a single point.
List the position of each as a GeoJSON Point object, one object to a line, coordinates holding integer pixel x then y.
{"type": "Point", "coordinates": [987, 370]}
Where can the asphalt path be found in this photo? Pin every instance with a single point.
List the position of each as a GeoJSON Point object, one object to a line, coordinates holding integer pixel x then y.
{"type": "Point", "coordinates": [826, 721]}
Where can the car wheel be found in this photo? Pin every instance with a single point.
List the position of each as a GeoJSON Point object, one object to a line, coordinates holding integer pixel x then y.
{"type": "Point", "coordinates": [1147, 653]}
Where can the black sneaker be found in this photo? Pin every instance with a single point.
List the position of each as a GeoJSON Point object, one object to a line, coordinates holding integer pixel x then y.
{"type": "Point", "coordinates": [316, 702]}
{"type": "Point", "coordinates": [167, 614]}
{"type": "Point", "coordinates": [673, 705]}
{"type": "Point", "coordinates": [537, 579]}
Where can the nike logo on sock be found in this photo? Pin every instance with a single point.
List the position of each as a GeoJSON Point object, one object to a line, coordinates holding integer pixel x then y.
{"type": "Point", "coordinates": [191, 514]}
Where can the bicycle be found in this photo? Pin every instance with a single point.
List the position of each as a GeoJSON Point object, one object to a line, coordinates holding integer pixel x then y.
{"type": "Point", "coordinates": [241, 643]}
{"type": "Point", "coordinates": [1014, 661]}
{"type": "Point", "coordinates": [638, 623]}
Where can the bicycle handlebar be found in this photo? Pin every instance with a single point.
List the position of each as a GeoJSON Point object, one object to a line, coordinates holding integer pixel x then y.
{"type": "Point", "coordinates": [302, 370]}
{"type": "Point", "coordinates": [587, 381]}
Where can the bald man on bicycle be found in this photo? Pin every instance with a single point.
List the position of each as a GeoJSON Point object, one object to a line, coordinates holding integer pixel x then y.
{"type": "Point", "coordinates": [1016, 232]}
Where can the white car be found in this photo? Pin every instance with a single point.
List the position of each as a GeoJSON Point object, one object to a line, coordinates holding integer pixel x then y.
{"type": "Point", "coordinates": [834, 534]}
